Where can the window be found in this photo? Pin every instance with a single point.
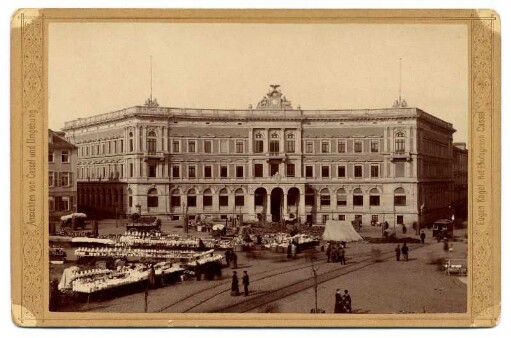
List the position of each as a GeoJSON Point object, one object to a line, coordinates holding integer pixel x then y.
{"type": "Point", "coordinates": [191, 198]}
{"type": "Point", "coordinates": [50, 156]}
{"type": "Point", "coordinates": [224, 146]}
{"type": "Point", "coordinates": [175, 171]}
{"type": "Point", "coordinates": [259, 196]}
{"type": "Point", "coordinates": [207, 147]}
{"type": "Point", "coordinates": [374, 197]}
{"type": "Point", "coordinates": [191, 146]}
{"type": "Point", "coordinates": [325, 171]}
{"type": "Point", "coordinates": [357, 171]}
{"type": "Point", "coordinates": [223, 171]}
{"type": "Point", "coordinates": [309, 171]}
{"type": "Point", "coordinates": [290, 146]}
{"type": "Point", "coordinates": [51, 179]}
{"type": "Point", "coordinates": [324, 198]}
{"type": "Point", "coordinates": [342, 217]}
{"type": "Point", "coordinates": [290, 170]}
{"type": "Point", "coordinates": [375, 170]}
{"type": "Point", "coordinates": [341, 146]}
{"type": "Point", "coordinates": [130, 198]}
{"type": "Point", "coordinates": [399, 168]}
{"type": "Point", "coordinates": [399, 197]}
{"type": "Point", "coordinates": [151, 142]}
{"type": "Point", "coordinates": [122, 146]}
{"type": "Point", "coordinates": [358, 146]}
{"type": "Point", "coordinates": [207, 198]}
{"type": "Point", "coordinates": [239, 147]}
{"type": "Point", "coordinates": [65, 156]}
{"type": "Point", "coordinates": [274, 169]}
{"type": "Point", "coordinates": [325, 218]}
{"type": "Point", "coordinates": [358, 197]}
{"type": "Point", "coordinates": [258, 170]}
{"type": "Point", "coordinates": [131, 170]}
{"type": "Point", "coordinates": [341, 171]}
{"type": "Point", "coordinates": [152, 198]}
{"type": "Point", "coordinates": [341, 197]}
{"type": "Point", "coordinates": [274, 147]}
{"type": "Point", "coordinates": [64, 180]}
{"type": "Point", "coordinates": [192, 171]}
{"type": "Point", "coordinates": [399, 219]}
{"type": "Point", "coordinates": [325, 147]}
{"type": "Point", "coordinates": [374, 218]}
{"type": "Point", "coordinates": [309, 147]}
{"type": "Point", "coordinates": [258, 146]}
{"type": "Point", "coordinates": [175, 198]}
{"type": "Point", "coordinates": [309, 196]}
{"type": "Point", "coordinates": [239, 198]}
{"type": "Point", "coordinates": [375, 146]}
{"type": "Point", "coordinates": [223, 199]}
{"type": "Point", "coordinates": [151, 170]}
{"type": "Point", "coordinates": [239, 171]}
{"type": "Point", "coordinates": [65, 205]}
{"type": "Point", "coordinates": [130, 145]}
{"type": "Point", "coordinates": [207, 171]}
{"type": "Point", "coordinates": [399, 142]}
{"type": "Point", "coordinates": [51, 204]}
{"type": "Point", "coordinates": [175, 146]}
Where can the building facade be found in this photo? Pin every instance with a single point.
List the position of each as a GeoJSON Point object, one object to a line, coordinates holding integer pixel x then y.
{"type": "Point", "coordinates": [267, 163]}
{"type": "Point", "coordinates": [62, 186]}
{"type": "Point", "coordinates": [460, 173]}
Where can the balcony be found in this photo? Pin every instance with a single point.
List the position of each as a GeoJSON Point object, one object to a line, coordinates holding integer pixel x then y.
{"type": "Point", "coordinates": [276, 156]}
{"type": "Point", "coordinates": [400, 156]}
{"type": "Point", "coordinates": [154, 155]}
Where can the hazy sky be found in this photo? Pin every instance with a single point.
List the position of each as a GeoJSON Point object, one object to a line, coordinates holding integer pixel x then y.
{"type": "Point", "coordinates": [96, 68]}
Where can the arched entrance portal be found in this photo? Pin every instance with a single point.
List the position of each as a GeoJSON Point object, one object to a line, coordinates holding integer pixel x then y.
{"type": "Point", "coordinates": [276, 204]}
{"type": "Point", "coordinates": [260, 197]}
{"type": "Point", "coordinates": [293, 200]}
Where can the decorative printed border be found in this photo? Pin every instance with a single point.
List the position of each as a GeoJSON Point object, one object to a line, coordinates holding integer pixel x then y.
{"type": "Point", "coordinates": [29, 278]}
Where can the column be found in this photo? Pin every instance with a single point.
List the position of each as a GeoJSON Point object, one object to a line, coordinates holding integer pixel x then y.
{"type": "Point", "coordinates": [301, 206]}
{"type": "Point", "coordinates": [268, 207]}
{"type": "Point", "coordinates": [250, 207]}
{"type": "Point", "coordinates": [284, 206]}
{"type": "Point", "coordinates": [250, 141]}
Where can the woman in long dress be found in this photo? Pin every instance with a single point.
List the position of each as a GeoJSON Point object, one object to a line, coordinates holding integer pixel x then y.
{"type": "Point", "coordinates": [338, 302]}
{"type": "Point", "coordinates": [235, 288]}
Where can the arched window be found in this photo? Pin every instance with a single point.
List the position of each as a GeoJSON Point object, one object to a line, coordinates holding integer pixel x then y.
{"type": "Point", "coordinates": [239, 198]}
{"type": "Point", "coordinates": [358, 197]}
{"type": "Point", "coordinates": [191, 198]}
{"type": "Point", "coordinates": [175, 198]}
{"type": "Point", "coordinates": [374, 197]}
{"type": "Point", "coordinates": [223, 199]}
{"type": "Point", "coordinates": [151, 142]}
{"type": "Point", "coordinates": [399, 142]}
{"type": "Point", "coordinates": [399, 197]}
{"type": "Point", "coordinates": [207, 198]}
{"type": "Point", "coordinates": [130, 142]}
{"type": "Point", "coordinates": [259, 197]}
{"type": "Point", "coordinates": [309, 196]}
{"type": "Point", "coordinates": [152, 198]}
{"type": "Point", "coordinates": [324, 197]}
{"type": "Point", "coordinates": [341, 197]}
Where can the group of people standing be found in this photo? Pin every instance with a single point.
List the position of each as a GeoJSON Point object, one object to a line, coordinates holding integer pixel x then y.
{"type": "Point", "coordinates": [231, 258]}
{"type": "Point", "coordinates": [342, 302]}
{"type": "Point", "coordinates": [336, 253]}
{"type": "Point", "coordinates": [402, 250]}
{"type": "Point", "coordinates": [235, 289]}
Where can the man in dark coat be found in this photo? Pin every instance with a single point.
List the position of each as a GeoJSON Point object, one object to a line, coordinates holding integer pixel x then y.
{"type": "Point", "coordinates": [246, 282]}
{"type": "Point", "coordinates": [423, 236]}
{"type": "Point", "coordinates": [228, 257]}
{"type": "Point", "coordinates": [342, 252]}
{"type": "Point", "coordinates": [346, 302]}
{"type": "Point", "coordinates": [404, 251]}
{"type": "Point", "coordinates": [235, 288]}
{"type": "Point", "coordinates": [398, 252]}
{"type": "Point", "coordinates": [338, 301]}
{"type": "Point", "coordinates": [234, 259]}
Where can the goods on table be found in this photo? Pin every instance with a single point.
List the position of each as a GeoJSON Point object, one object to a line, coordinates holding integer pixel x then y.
{"type": "Point", "coordinates": [57, 255]}
{"type": "Point", "coordinates": [166, 241]}
{"type": "Point", "coordinates": [121, 252]}
{"type": "Point", "coordinates": [92, 240]}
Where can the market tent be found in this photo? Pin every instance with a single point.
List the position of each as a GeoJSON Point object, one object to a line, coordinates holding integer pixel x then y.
{"type": "Point", "coordinates": [70, 216]}
{"type": "Point", "coordinates": [340, 232]}
{"type": "Point", "coordinates": [218, 227]}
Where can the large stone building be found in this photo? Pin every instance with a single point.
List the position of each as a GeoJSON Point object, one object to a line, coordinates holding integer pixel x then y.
{"type": "Point", "coordinates": [393, 164]}
{"type": "Point", "coordinates": [460, 189]}
{"type": "Point", "coordinates": [61, 170]}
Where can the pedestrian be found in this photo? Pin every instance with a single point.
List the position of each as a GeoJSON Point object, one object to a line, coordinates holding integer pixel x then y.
{"type": "Point", "coordinates": [151, 278]}
{"type": "Point", "coordinates": [335, 253]}
{"type": "Point", "coordinates": [246, 282]}
{"type": "Point", "coordinates": [328, 251]}
{"type": "Point", "coordinates": [197, 270]}
{"type": "Point", "coordinates": [398, 252]}
{"type": "Point", "coordinates": [404, 251]}
{"type": "Point", "coordinates": [235, 289]}
{"type": "Point", "coordinates": [423, 236]}
{"type": "Point", "coordinates": [346, 302]}
{"type": "Point", "coordinates": [234, 259]}
{"type": "Point", "coordinates": [342, 252]}
{"type": "Point", "coordinates": [338, 301]}
{"type": "Point", "coordinates": [228, 257]}
{"type": "Point", "coordinates": [289, 250]}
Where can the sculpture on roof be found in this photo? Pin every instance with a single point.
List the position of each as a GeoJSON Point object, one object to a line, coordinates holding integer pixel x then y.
{"type": "Point", "coordinates": [274, 100]}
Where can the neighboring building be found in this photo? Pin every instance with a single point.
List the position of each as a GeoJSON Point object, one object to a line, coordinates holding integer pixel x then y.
{"type": "Point", "coordinates": [460, 173]}
{"type": "Point", "coordinates": [390, 164]}
{"type": "Point", "coordinates": [61, 171]}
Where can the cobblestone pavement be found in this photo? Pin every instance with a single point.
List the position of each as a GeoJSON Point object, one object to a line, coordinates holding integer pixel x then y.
{"type": "Point", "coordinates": [286, 285]}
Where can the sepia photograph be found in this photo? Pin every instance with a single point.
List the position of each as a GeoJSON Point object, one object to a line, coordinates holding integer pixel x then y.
{"type": "Point", "coordinates": [258, 167]}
